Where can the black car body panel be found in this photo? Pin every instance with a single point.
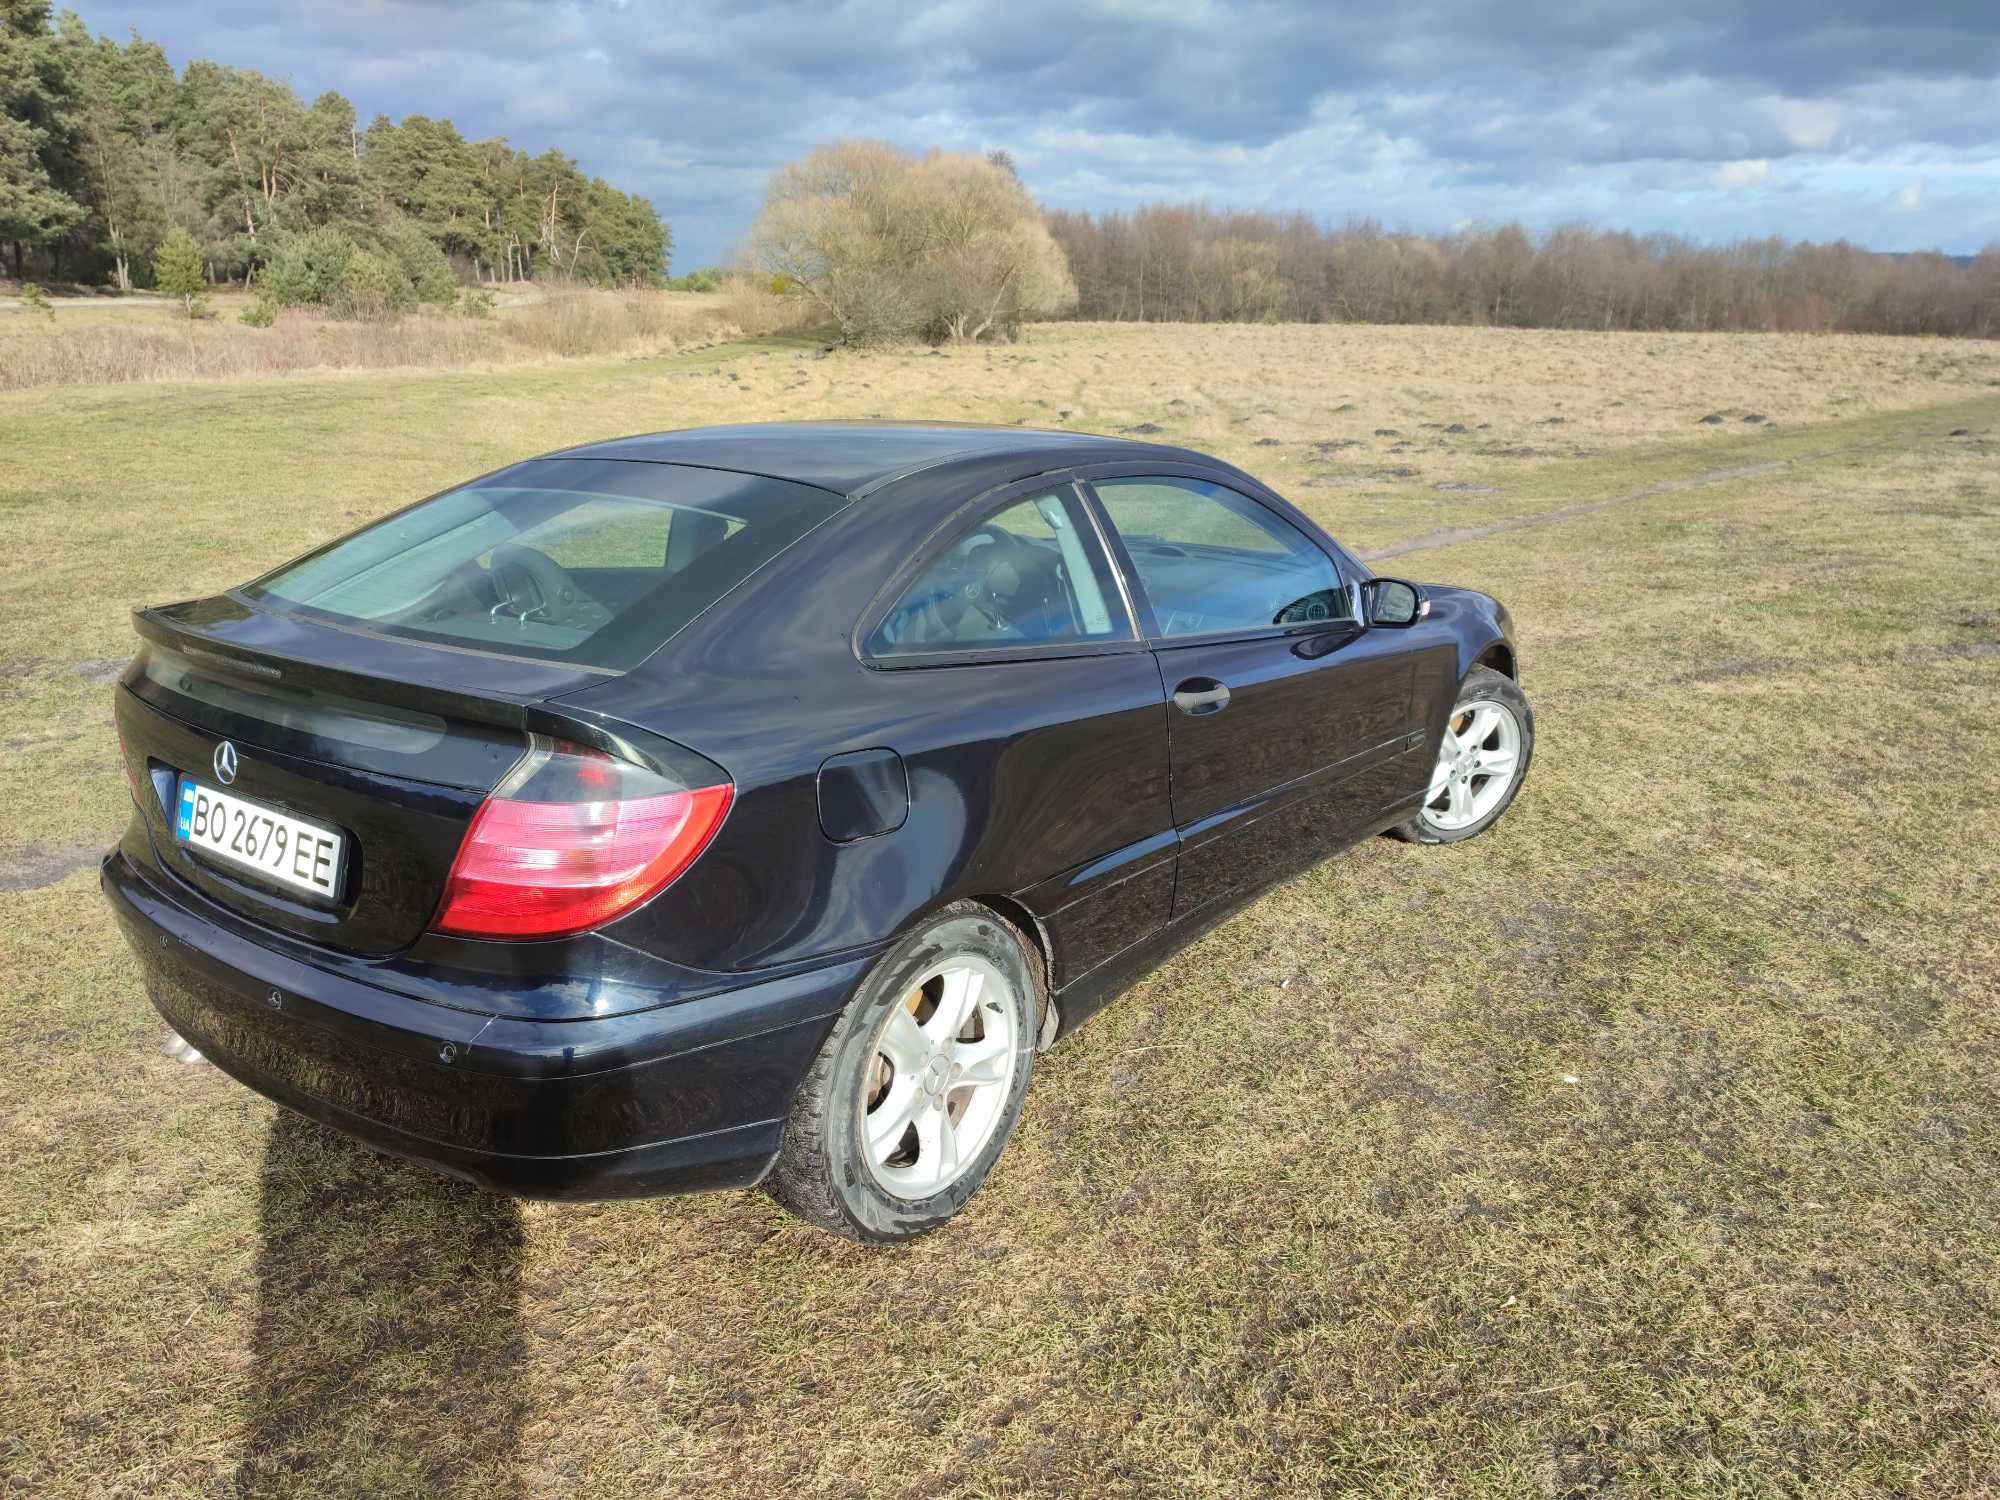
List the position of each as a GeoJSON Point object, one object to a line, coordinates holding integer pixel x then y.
{"type": "Point", "coordinates": [674, 1098]}
{"type": "Point", "coordinates": [1061, 786]}
{"type": "Point", "coordinates": [860, 458]}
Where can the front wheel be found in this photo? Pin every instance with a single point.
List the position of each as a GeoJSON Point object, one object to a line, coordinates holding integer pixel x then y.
{"type": "Point", "coordinates": [916, 1090]}
{"type": "Point", "coordinates": [1484, 754]}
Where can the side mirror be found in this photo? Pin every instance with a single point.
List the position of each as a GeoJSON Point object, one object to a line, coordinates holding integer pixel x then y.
{"type": "Point", "coordinates": [1393, 603]}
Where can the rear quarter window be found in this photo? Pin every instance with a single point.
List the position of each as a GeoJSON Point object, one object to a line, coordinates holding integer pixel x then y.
{"type": "Point", "coordinates": [1028, 574]}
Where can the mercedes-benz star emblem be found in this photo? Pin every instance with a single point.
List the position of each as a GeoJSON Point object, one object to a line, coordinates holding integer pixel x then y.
{"type": "Point", "coordinates": [225, 763]}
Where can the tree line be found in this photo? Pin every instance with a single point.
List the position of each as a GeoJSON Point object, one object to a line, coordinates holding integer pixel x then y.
{"type": "Point", "coordinates": [1190, 263]}
{"type": "Point", "coordinates": [105, 151]}
{"type": "Point", "coordinates": [890, 244]}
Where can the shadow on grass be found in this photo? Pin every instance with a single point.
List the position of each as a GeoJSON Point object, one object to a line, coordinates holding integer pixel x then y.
{"type": "Point", "coordinates": [389, 1335]}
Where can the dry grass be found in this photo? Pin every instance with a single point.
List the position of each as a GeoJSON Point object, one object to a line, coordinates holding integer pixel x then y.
{"type": "Point", "coordinates": [1645, 1146]}
{"type": "Point", "coordinates": [114, 341]}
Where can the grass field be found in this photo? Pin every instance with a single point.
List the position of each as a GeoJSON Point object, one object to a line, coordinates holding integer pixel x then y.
{"type": "Point", "coordinates": [1647, 1145]}
{"type": "Point", "coordinates": [83, 339]}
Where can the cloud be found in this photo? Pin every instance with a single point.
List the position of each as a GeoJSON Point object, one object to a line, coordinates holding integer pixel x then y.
{"type": "Point", "coordinates": [1733, 175]}
{"type": "Point", "coordinates": [1805, 124]}
{"type": "Point", "coordinates": [1711, 117]}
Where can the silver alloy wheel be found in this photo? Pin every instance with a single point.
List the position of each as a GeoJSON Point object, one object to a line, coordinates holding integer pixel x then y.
{"type": "Point", "coordinates": [1478, 760]}
{"type": "Point", "coordinates": [937, 1087]}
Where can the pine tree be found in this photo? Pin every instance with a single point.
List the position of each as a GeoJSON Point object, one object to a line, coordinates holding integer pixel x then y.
{"type": "Point", "coordinates": [177, 271]}
{"type": "Point", "coordinates": [125, 100]}
{"type": "Point", "coordinates": [36, 96]}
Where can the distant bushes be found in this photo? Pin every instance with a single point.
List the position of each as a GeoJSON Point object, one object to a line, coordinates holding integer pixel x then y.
{"type": "Point", "coordinates": [393, 270]}
{"type": "Point", "coordinates": [571, 322]}
{"type": "Point", "coordinates": [566, 323]}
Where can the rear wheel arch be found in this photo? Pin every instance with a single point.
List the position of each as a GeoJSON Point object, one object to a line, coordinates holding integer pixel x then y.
{"type": "Point", "coordinates": [1041, 957]}
{"type": "Point", "coordinates": [1027, 930]}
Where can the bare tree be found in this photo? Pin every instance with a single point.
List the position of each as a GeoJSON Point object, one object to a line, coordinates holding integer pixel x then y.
{"type": "Point", "coordinates": [891, 245]}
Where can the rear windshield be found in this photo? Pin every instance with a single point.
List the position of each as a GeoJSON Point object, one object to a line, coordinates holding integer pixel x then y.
{"type": "Point", "coordinates": [594, 562]}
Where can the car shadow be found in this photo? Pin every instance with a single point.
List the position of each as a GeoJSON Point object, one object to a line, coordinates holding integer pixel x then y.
{"type": "Point", "coordinates": [389, 1338]}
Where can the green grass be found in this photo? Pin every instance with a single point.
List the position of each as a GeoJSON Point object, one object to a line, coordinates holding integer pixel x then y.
{"type": "Point", "coordinates": [1646, 1146]}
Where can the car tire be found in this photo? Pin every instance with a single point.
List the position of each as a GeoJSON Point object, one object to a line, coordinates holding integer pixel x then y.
{"type": "Point", "coordinates": [844, 1165]}
{"type": "Point", "coordinates": [1461, 803]}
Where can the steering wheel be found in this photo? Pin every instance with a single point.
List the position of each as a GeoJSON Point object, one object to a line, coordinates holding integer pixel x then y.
{"type": "Point", "coordinates": [991, 576]}
{"type": "Point", "coordinates": [532, 585]}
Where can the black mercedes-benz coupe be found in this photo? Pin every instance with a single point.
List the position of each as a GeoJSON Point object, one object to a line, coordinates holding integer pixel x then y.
{"type": "Point", "coordinates": [751, 804]}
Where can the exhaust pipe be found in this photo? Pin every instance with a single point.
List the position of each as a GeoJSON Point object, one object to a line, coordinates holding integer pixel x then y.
{"type": "Point", "coordinates": [180, 1048]}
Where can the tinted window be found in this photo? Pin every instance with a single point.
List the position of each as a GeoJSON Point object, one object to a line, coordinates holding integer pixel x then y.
{"type": "Point", "coordinates": [1029, 574]}
{"type": "Point", "coordinates": [591, 561]}
{"type": "Point", "coordinates": [1213, 560]}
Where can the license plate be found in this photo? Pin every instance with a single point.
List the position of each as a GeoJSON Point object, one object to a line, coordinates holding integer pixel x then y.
{"type": "Point", "coordinates": [275, 845]}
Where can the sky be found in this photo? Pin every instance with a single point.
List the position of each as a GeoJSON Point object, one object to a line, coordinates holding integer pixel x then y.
{"type": "Point", "coordinates": [1876, 121]}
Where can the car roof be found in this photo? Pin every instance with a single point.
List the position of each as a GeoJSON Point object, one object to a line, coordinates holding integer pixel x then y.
{"type": "Point", "coordinates": [853, 458]}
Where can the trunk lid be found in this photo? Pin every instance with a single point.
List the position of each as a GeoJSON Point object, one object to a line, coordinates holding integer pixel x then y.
{"type": "Point", "coordinates": [392, 743]}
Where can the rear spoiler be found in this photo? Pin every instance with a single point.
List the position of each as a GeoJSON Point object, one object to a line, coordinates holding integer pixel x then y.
{"type": "Point", "coordinates": [273, 649]}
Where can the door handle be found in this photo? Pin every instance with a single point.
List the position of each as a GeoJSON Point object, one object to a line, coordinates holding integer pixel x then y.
{"type": "Point", "coordinates": [1197, 696]}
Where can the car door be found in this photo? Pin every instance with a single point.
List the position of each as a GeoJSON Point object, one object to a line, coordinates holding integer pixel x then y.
{"type": "Point", "coordinates": [1034, 728]}
{"type": "Point", "coordinates": [1290, 725]}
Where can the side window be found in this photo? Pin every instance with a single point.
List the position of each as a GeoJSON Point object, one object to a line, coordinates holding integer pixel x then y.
{"type": "Point", "coordinates": [1213, 560]}
{"type": "Point", "coordinates": [1028, 574]}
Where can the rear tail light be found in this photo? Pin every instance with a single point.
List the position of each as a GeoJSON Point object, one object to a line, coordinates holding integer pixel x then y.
{"type": "Point", "coordinates": [570, 839]}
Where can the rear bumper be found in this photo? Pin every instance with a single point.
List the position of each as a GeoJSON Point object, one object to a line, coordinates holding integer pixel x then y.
{"type": "Point", "coordinates": [687, 1096]}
